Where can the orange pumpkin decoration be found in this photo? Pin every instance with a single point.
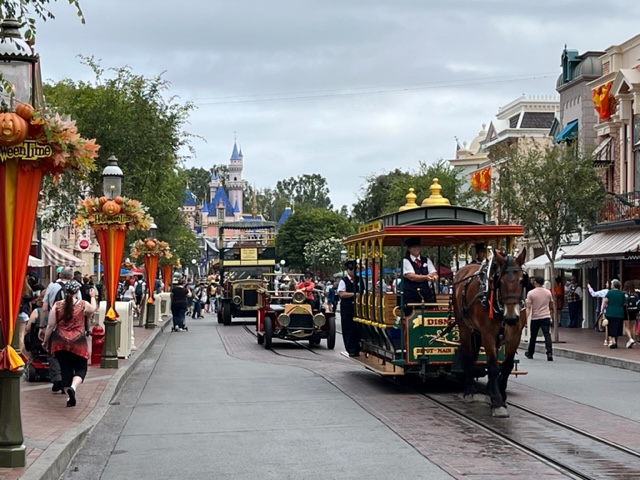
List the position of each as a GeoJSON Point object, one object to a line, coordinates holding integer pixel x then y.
{"type": "Point", "coordinates": [102, 200]}
{"type": "Point", "coordinates": [13, 129]}
{"type": "Point", "coordinates": [119, 200]}
{"type": "Point", "coordinates": [111, 208]}
{"type": "Point", "coordinates": [25, 111]}
{"type": "Point", "coordinates": [150, 244]}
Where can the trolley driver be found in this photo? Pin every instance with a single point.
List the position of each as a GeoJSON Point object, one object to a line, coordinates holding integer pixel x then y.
{"type": "Point", "coordinates": [418, 271]}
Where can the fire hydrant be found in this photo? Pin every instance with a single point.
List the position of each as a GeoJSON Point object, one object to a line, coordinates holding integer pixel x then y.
{"type": "Point", "coordinates": [97, 344]}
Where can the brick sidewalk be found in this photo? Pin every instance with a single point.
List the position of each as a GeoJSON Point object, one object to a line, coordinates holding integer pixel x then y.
{"type": "Point", "coordinates": [45, 416]}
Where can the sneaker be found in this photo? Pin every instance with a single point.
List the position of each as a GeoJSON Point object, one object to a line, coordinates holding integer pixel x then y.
{"type": "Point", "coordinates": [613, 345]}
{"type": "Point", "coordinates": [71, 400]}
{"type": "Point", "coordinates": [631, 343]}
{"type": "Point", "coordinates": [549, 358]}
{"type": "Point", "coordinates": [182, 329]}
{"type": "Point", "coordinates": [528, 355]}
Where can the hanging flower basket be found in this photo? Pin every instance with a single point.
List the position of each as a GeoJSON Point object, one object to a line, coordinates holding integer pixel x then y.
{"type": "Point", "coordinates": [151, 246]}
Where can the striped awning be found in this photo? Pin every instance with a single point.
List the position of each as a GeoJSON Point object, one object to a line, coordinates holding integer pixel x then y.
{"type": "Point", "coordinates": [52, 255]}
{"type": "Point", "coordinates": [612, 244]}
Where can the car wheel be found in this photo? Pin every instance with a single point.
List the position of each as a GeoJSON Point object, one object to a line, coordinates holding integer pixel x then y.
{"type": "Point", "coordinates": [226, 314]}
{"type": "Point", "coordinates": [268, 332]}
{"type": "Point", "coordinates": [331, 339]}
{"type": "Point", "coordinates": [30, 373]}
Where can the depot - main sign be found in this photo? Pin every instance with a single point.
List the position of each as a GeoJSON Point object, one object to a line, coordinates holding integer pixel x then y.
{"type": "Point", "coordinates": [27, 150]}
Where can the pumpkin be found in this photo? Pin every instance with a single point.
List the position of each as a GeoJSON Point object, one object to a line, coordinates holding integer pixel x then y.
{"type": "Point", "coordinates": [13, 129]}
{"type": "Point", "coordinates": [25, 111]}
{"type": "Point", "coordinates": [111, 208]}
{"type": "Point", "coordinates": [150, 244]}
{"type": "Point", "coordinates": [102, 201]}
{"type": "Point", "coordinates": [119, 200]}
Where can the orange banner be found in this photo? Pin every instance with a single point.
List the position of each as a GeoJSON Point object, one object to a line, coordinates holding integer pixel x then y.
{"type": "Point", "coordinates": [601, 100]}
{"type": "Point", "coordinates": [111, 241]}
{"type": "Point", "coordinates": [18, 203]}
{"type": "Point", "coordinates": [167, 270]}
{"type": "Point", "coordinates": [151, 267]}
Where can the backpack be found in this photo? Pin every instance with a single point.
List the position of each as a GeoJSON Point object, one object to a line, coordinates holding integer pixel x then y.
{"type": "Point", "coordinates": [60, 294]}
{"type": "Point", "coordinates": [632, 305]}
{"type": "Point", "coordinates": [139, 291]}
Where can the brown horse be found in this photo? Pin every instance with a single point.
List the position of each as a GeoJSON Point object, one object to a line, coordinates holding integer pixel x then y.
{"type": "Point", "coordinates": [488, 302]}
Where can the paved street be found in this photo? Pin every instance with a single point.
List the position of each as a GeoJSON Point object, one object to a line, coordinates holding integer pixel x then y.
{"type": "Point", "coordinates": [211, 398]}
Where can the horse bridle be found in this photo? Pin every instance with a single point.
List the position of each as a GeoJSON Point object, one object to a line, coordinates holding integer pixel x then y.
{"type": "Point", "coordinates": [510, 268]}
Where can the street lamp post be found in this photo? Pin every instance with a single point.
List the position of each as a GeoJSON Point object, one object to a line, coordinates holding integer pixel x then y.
{"type": "Point", "coordinates": [151, 306]}
{"type": "Point", "coordinates": [19, 69]}
{"type": "Point", "coordinates": [193, 269]}
{"type": "Point", "coordinates": [111, 188]}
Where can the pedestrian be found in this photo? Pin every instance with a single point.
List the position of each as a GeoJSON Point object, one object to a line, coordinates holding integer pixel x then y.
{"type": "Point", "coordinates": [573, 294]}
{"type": "Point", "coordinates": [614, 302]}
{"type": "Point", "coordinates": [199, 300]}
{"type": "Point", "coordinates": [539, 306]}
{"type": "Point", "coordinates": [24, 312]}
{"type": "Point", "coordinates": [418, 272]}
{"type": "Point", "coordinates": [349, 286]}
{"type": "Point", "coordinates": [558, 291]}
{"type": "Point", "coordinates": [52, 294]}
{"type": "Point", "coordinates": [179, 302]}
{"type": "Point", "coordinates": [631, 303]}
{"type": "Point", "coordinates": [68, 329]}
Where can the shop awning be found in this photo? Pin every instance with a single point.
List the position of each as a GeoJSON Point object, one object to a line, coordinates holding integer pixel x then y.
{"type": "Point", "coordinates": [541, 262]}
{"type": "Point", "coordinates": [52, 255]}
{"type": "Point", "coordinates": [612, 244]}
{"type": "Point", "coordinates": [569, 132]}
{"type": "Point", "coordinates": [35, 262]}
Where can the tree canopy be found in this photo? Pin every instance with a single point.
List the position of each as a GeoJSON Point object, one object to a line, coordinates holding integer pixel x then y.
{"type": "Point", "coordinates": [130, 118]}
{"type": "Point", "coordinates": [30, 11]}
{"type": "Point", "coordinates": [387, 192]}
{"type": "Point", "coordinates": [308, 226]}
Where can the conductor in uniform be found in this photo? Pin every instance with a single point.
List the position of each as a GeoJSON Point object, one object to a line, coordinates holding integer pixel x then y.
{"type": "Point", "coordinates": [349, 285]}
{"type": "Point", "coordinates": [418, 272]}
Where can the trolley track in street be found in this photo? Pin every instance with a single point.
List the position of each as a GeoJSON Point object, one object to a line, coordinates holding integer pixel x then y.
{"type": "Point", "coordinates": [568, 449]}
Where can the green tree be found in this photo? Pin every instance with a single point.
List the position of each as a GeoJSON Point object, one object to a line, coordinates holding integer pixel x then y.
{"type": "Point", "coordinates": [324, 256]}
{"type": "Point", "coordinates": [387, 192]}
{"type": "Point", "coordinates": [30, 11]}
{"type": "Point", "coordinates": [130, 118]}
{"type": "Point", "coordinates": [305, 191]}
{"type": "Point", "coordinates": [552, 191]}
{"type": "Point", "coordinates": [199, 182]}
{"type": "Point", "coordinates": [306, 226]}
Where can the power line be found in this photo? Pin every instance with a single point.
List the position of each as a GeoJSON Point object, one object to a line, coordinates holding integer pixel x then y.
{"type": "Point", "coordinates": [363, 91]}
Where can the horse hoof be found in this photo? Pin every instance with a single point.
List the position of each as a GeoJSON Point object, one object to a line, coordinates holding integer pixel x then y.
{"type": "Point", "coordinates": [500, 412]}
{"type": "Point", "coordinates": [470, 398]}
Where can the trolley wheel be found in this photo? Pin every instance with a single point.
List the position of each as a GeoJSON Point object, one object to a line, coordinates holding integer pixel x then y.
{"type": "Point", "coordinates": [226, 314]}
{"type": "Point", "coordinates": [30, 372]}
{"type": "Point", "coordinates": [268, 333]}
{"type": "Point", "coordinates": [331, 339]}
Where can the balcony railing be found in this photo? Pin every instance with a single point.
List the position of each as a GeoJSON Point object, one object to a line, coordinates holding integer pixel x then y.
{"type": "Point", "coordinates": [620, 207]}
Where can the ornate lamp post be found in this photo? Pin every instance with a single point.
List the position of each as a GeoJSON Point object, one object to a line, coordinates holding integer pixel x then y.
{"type": "Point", "coordinates": [195, 272]}
{"type": "Point", "coordinates": [30, 151]}
{"type": "Point", "coordinates": [153, 250]}
{"type": "Point", "coordinates": [111, 216]}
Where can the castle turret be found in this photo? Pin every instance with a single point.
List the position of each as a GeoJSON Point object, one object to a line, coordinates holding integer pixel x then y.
{"type": "Point", "coordinates": [235, 184]}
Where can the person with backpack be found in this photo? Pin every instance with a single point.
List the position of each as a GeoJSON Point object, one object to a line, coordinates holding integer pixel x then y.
{"type": "Point", "coordinates": [632, 302]}
{"type": "Point", "coordinates": [66, 337]}
{"type": "Point", "coordinates": [140, 288]}
{"type": "Point", "coordinates": [52, 294]}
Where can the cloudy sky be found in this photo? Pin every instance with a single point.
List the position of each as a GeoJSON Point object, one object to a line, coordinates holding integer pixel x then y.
{"type": "Point", "coordinates": [343, 88]}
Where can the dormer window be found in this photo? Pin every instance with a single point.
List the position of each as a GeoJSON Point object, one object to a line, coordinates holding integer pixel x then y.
{"type": "Point", "coordinates": [221, 213]}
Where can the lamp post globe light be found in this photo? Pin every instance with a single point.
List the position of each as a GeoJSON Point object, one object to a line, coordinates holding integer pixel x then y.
{"type": "Point", "coordinates": [112, 179]}
{"type": "Point", "coordinates": [153, 231]}
{"type": "Point", "coordinates": [194, 269]}
{"type": "Point", "coordinates": [21, 84]}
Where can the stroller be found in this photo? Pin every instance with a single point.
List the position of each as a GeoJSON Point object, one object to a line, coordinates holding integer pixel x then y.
{"type": "Point", "coordinates": [37, 368]}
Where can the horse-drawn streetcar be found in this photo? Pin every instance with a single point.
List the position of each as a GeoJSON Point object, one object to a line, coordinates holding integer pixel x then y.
{"type": "Point", "coordinates": [442, 332]}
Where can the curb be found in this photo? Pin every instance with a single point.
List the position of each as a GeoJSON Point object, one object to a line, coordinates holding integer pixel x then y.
{"type": "Point", "coordinates": [588, 357]}
{"type": "Point", "coordinates": [53, 461]}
